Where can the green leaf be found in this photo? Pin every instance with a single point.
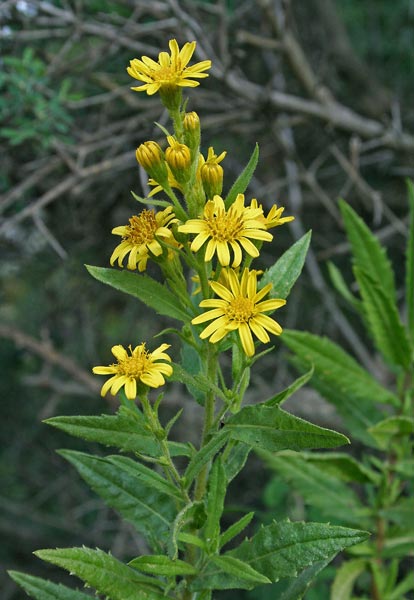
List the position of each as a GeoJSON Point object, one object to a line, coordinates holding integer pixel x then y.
{"type": "Point", "coordinates": [318, 488]}
{"type": "Point", "coordinates": [342, 466]}
{"type": "Point", "coordinates": [280, 398]}
{"type": "Point", "coordinates": [105, 573]}
{"type": "Point", "coordinates": [236, 459]}
{"type": "Point", "coordinates": [284, 273]}
{"type": "Point", "coordinates": [341, 287]}
{"type": "Point", "coordinates": [367, 253]}
{"type": "Point", "coordinates": [384, 321]}
{"type": "Point", "coordinates": [337, 368]}
{"type": "Point", "coordinates": [409, 269]}
{"type": "Point", "coordinates": [392, 427]}
{"type": "Point", "coordinates": [162, 565]}
{"type": "Point", "coordinates": [239, 569]}
{"type": "Point", "coordinates": [243, 180]}
{"type": "Point", "coordinates": [283, 549]}
{"type": "Point", "coordinates": [204, 455]}
{"type": "Point", "coordinates": [301, 584]}
{"type": "Point", "coordinates": [217, 487]}
{"type": "Point", "coordinates": [404, 586]}
{"type": "Point", "coordinates": [345, 578]}
{"type": "Point", "coordinates": [235, 529]}
{"type": "Point", "coordinates": [148, 509]}
{"type": "Point", "coordinates": [189, 368]}
{"type": "Point", "coordinates": [150, 292]}
{"type": "Point", "coordinates": [270, 428]}
{"type": "Point", "coordinates": [357, 414]}
{"type": "Point", "coordinates": [125, 430]}
{"type": "Point", "coordinates": [399, 544]}
{"type": "Point", "coordinates": [41, 589]}
{"type": "Point", "coordinates": [400, 513]}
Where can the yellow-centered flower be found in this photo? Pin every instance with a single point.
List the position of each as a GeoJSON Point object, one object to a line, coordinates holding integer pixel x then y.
{"type": "Point", "coordinates": [137, 366]}
{"type": "Point", "coordinates": [239, 307]}
{"type": "Point", "coordinates": [274, 217]}
{"type": "Point", "coordinates": [140, 237]}
{"type": "Point", "coordinates": [170, 71]}
{"type": "Point", "coordinates": [224, 229]}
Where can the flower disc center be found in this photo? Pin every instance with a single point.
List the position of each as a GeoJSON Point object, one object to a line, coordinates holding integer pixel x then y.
{"type": "Point", "coordinates": [240, 309]}
{"type": "Point", "coordinates": [141, 228]}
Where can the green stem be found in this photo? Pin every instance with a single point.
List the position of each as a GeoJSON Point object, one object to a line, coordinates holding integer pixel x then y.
{"type": "Point", "coordinates": [156, 428]}
{"type": "Point", "coordinates": [202, 478]}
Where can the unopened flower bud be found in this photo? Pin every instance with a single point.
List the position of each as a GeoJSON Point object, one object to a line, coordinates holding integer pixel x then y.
{"type": "Point", "coordinates": [212, 174]}
{"type": "Point", "coordinates": [150, 156]}
{"type": "Point", "coordinates": [191, 125]}
{"type": "Point", "coordinates": [178, 157]}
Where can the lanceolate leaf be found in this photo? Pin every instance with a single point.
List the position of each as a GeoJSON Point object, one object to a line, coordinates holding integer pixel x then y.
{"type": "Point", "coordinates": [239, 569]}
{"type": "Point", "coordinates": [341, 287]}
{"type": "Point", "coordinates": [41, 589]}
{"type": "Point", "coordinates": [384, 321]}
{"type": "Point", "coordinates": [283, 549]}
{"type": "Point", "coordinates": [215, 503]}
{"type": "Point", "coordinates": [301, 584]}
{"type": "Point", "coordinates": [284, 273]}
{"type": "Point", "coordinates": [409, 274]}
{"type": "Point", "coordinates": [125, 430]}
{"type": "Point", "coordinates": [162, 565]}
{"type": "Point", "coordinates": [204, 456]}
{"type": "Point", "coordinates": [392, 427]}
{"type": "Point", "coordinates": [270, 428]}
{"type": "Point", "coordinates": [358, 413]}
{"type": "Point", "coordinates": [148, 509]}
{"type": "Point", "coordinates": [333, 497]}
{"type": "Point", "coordinates": [345, 578]}
{"type": "Point", "coordinates": [243, 180]}
{"type": "Point", "coordinates": [104, 573]}
{"type": "Point", "coordinates": [279, 398]}
{"type": "Point", "coordinates": [337, 368]}
{"type": "Point", "coordinates": [367, 253]}
{"type": "Point", "coordinates": [150, 292]}
{"type": "Point", "coordinates": [235, 529]}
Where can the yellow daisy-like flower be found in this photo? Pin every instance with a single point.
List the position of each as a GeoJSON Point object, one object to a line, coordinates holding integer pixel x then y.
{"type": "Point", "coordinates": [239, 307]}
{"type": "Point", "coordinates": [140, 237]}
{"type": "Point", "coordinates": [274, 217]}
{"type": "Point", "coordinates": [137, 366]}
{"type": "Point", "coordinates": [224, 229]}
{"type": "Point", "coordinates": [170, 71]}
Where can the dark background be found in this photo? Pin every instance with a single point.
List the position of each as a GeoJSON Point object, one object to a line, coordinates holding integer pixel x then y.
{"type": "Point", "coordinates": [326, 89]}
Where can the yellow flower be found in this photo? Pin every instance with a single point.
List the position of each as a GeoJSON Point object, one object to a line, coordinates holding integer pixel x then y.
{"type": "Point", "coordinates": [274, 217]}
{"type": "Point", "coordinates": [150, 156]}
{"type": "Point", "coordinates": [239, 307]}
{"type": "Point", "coordinates": [139, 238]}
{"type": "Point", "coordinates": [138, 366]}
{"type": "Point", "coordinates": [170, 71]}
{"type": "Point", "coordinates": [225, 229]}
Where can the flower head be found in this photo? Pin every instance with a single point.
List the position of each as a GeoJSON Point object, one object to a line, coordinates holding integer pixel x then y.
{"type": "Point", "coordinates": [150, 156]}
{"type": "Point", "coordinates": [239, 307]}
{"type": "Point", "coordinates": [274, 217]}
{"type": "Point", "coordinates": [170, 71]}
{"type": "Point", "coordinates": [139, 365]}
{"type": "Point", "coordinates": [224, 229]}
{"type": "Point", "coordinates": [140, 237]}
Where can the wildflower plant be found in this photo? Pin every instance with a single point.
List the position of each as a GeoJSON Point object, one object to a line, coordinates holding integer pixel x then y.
{"type": "Point", "coordinates": [173, 493]}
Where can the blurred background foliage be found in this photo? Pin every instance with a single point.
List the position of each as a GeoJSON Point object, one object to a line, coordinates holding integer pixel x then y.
{"type": "Point", "coordinates": [324, 86]}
